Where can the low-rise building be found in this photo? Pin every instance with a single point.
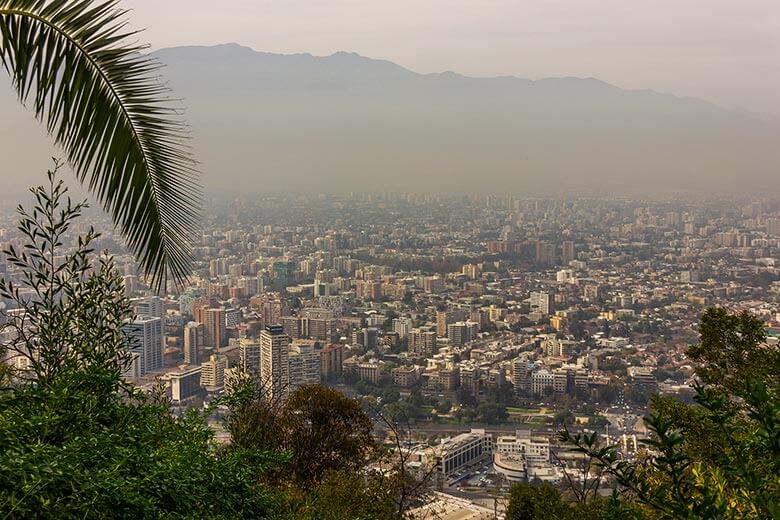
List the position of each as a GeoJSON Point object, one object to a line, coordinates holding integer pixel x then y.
{"type": "Point", "coordinates": [461, 451]}
{"type": "Point", "coordinates": [406, 376]}
{"type": "Point", "coordinates": [184, 384]}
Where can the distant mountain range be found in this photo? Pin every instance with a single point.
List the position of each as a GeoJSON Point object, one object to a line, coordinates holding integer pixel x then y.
{"type": "Point", "coordinates": [270, 122]}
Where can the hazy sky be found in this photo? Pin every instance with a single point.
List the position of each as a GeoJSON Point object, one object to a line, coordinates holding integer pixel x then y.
{"type": "Point", "coordinates": [726, 51]}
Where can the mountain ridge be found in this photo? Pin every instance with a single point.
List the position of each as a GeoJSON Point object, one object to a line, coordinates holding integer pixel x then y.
{"type": "Point", "coordinates": [447, 73]}
{"type": "Point", "coordinates": [265, 122]}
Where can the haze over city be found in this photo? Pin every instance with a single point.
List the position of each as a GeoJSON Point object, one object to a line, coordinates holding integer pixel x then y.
{"type": "Point", "coordinates": [682, 101]}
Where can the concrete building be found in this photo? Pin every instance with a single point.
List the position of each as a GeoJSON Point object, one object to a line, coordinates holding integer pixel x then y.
{"type": "Point", "coordinates": [249, 357]}
{"type": "Point", "coordinates": [131, 372]}
{"type": "Point", "coordinates": [535, 449]}
{"type": "Point", "coordinates": [150, 308]}
{"type": "Point", "coordinates": [322, 329]}
{"type": "Point", "coordinates": [184, 384]}
{"type": "Point", "coordinates": [331, 361]}
{"type": "Point", "coordinates": [542, 381]}
{"type": "Point", "coordinates": [522, 457]}
{"type": "Point", "coordinates": [365, 337]}
{"type": "Point", "coordinates": [522, 369]}
{"type": "Point", "coordinates": [567, 252]}
{"type": "Point", "coordinates": [444, 318]}
{"type": "Point", "coordinates": [442, 379]}
{"type": "Point", "coordinates": [541, 302]}
{"type": "Point", "coordinates": [193, 342]}
{"type": "Point", "coordinates": [212, 373]}
{"type": "Point", "coordinates": [305, 365]}
{"type": "Point", "coordinates": [406, 376]}
{"type": "Point", "coordinates": [422, 342]}
{"type": "Point", "coordinates": [433, 284]}
{"type": "Point", "coordinates": [402, 326]}
{"type": "Point", "coordinates": [369, 372]}
{"type": "Point", "coordinates": [274, 365]}
{"type": "Point", "coordinates": [560, 348]}
{"type": "Point", "coordinates": [144, 338]}
{"type": "Point", "coordinates": [215, 335]}
{"type": "Point", "coordinates": [463, 450]}
{"type": "Point", "coordinates": [642, 376]}
{"type": "Point", "coordinates": [461, 332]}
{"type": "Point", "coordinates": [292, 326]}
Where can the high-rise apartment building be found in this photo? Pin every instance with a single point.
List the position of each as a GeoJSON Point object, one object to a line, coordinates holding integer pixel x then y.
{"type": "Point", "coordinates": [522, 370]}
{"type": "Point", "coordinates": [545, 253]}
{"type": "Point", "coordinates": [232, 318]}
{"type": "Point", "coordinates": [212, 373]}
{"type": "Point", "coordinates": [272, 308]}
{"type": "Point", "coordinates": [444, 318]}
{"type": "Point", "coordinates": [368, 290]}
{"type": "Point", "coordinates": [471, 270]}
{"type": "Point", "coordinates": [304, 366]}
{"type": "Point", "coordinates": [461, 332]}
{"type": "Point", "coordinates": [249, 357]}
{"type": "Point", "coordinates": [541, 302]}
{"type": "Point", "coordinates": [193, 342]}
{"type": "Point", "coordinates": [323, 329]}
{"type": "Point", "coordinates": [215, 334]}
{"type": "Point", "coordinates": [292, 326]}
{"type": "Point", "coordinates": [422, 342]}
{"type": "Point", "coordinates": [433, 284]}
{"type": "Point", "coordinates": [274, 366]}
{"type": "Point", "coordinates": [567, 252]}
{"type": "Point", "coordinates": [772, 226]}
{"type": "Point", "coordinates": [331, 361]}
{"type": "Point", "coordinates": [144, 338]}
{"type": "Point", "coordinates": [131, 371]}
{"type": "Point", "coordinates": [402, 326]}
{"type": "Point", "coordinates": [365, 337]}
{"type": "Point", "coordinates": [153, 307]}
{"type": "Point", "coordinates": [250, 285]}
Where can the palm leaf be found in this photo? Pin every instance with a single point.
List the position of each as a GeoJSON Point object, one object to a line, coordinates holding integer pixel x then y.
{"type": "Point", "coordinates": [103, 101]}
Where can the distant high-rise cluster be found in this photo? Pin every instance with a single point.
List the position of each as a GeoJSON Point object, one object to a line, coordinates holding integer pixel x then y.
{"type": "Point", "coordinates": [467, 299]}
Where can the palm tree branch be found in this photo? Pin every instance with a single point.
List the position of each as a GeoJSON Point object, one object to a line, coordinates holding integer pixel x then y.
{"type": "Point", "coordinates": [103, 103]}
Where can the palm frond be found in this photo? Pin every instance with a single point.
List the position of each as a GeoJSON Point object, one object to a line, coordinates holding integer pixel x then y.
{"type": "Point", "coordinates": [103, 101]}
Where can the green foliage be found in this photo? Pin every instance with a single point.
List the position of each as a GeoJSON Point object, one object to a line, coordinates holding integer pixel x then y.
{"type": "Point", "coordinates": [614, 365]}
{"type": "Point", "coordinates": [535, 501]}
{"type": "Point", "coordinates": [328, 442]}
{"type": "Point", "coordinates": [444, 406]}
{"type": "Point", "coordinates": [719, 458]}
{"type": "Point", "coordinates": [543, 502]}
{"type": "Point", "coordinates": [492, 413]}
{"type": "Point", "coordinates": [324, 430]}
{"type": "Point", "coordinates": [101, 99]}
{"type": "Point", "coordinates": [75, 440]}
{"type": "Point", "coordinates": [320, 429]}
{"type": "Point", "coordinates": [60, 330]}
{"type": "Point", "coordinates": [732, 353]}
{"type": "Point", "coordinates": [343, 495]}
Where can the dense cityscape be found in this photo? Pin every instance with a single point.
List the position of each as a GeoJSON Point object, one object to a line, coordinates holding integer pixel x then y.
{"type": "Point", "coordinates": [489, 322]}
{"type": "Point", "coordinates": [389, 260]}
